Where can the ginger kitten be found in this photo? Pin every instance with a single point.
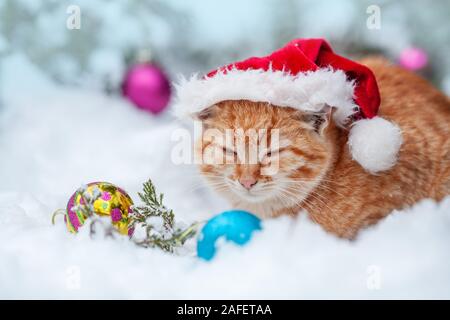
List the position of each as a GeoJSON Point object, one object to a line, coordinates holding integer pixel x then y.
{"type": "Point", "coordinates": [315, 171]}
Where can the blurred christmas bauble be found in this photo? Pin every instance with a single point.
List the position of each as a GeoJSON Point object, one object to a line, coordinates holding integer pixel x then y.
{"type": "Point", "coordinates": [110, 200]}
{"type": "Point", "coordinates": [413, 59]}
{"type": "Point", "coordinates": [236, 226]}
{"type": "Point", "coordinates": [146, 86]}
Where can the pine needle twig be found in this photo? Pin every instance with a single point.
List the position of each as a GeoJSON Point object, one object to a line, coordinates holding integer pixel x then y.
{"type": "Point", "coordinates": [170, 237]}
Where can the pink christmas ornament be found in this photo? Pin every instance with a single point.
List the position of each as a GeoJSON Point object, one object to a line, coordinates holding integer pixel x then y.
{"type": "Point", "coordinates": [413, 59]}
{"type": "Point", "coordinates": [147, 87]}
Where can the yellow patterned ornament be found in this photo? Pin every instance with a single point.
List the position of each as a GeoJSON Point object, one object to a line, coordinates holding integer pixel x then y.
{"type": "Point", "coordinates": [110, 200]}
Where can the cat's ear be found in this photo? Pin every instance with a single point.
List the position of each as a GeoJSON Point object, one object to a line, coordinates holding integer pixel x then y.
{"type": "Point", "coordinates": [205, 114]}
{"type": "Point", "coordinates": [316, 121]}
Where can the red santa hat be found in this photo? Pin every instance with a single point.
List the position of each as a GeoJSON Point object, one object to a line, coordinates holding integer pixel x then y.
{"type": "Point", "coordinates": [307, 75]}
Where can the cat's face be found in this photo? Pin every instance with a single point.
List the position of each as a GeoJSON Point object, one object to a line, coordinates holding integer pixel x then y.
{"type": "Point", "coordinates": [256, 153]}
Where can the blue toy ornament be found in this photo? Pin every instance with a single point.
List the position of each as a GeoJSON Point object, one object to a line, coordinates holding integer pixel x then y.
{"type": "Point", "coordinates": [234, 225]}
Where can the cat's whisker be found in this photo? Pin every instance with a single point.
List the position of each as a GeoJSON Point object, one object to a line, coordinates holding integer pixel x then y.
{"type": "Point", "coordinates": [212, 182]}
{"type": "Point", "coordinates": [330, 189]}
{"type": "Point", "coordinates": [320, 185]}
{"type": "Point", "coordinates": [311, 194]}
{"type": "Point", "coordinates": [285, 199]}
{"type": "Point", "coordinates": [294, 194]}
{"type": "Point", "coordinates": [291, 191]}
{"type": "Point", "coordinates": [197, 188]}
{"type": "Point", "coordinates": [287, 195]}
{"type": "Point", "coordinates": [312, 180]}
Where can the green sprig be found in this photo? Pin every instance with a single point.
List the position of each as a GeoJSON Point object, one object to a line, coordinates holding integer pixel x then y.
{"type": "Point", "coordinates": [154, 207]}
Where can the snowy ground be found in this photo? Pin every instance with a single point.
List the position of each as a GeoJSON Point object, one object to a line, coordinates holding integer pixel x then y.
{"type": "Point", "coordinates": [53, 139]}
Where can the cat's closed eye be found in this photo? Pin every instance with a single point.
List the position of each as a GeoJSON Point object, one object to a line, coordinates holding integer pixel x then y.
{"type": "Point", "coordinates": [274, 152]}
{"type": "Point", "coordinates": [270, 155]}
{"type": "Point", "coordinates": [229, 151]}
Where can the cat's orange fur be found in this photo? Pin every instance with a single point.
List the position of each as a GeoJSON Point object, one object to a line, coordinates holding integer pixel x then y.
{"type": "Point", "coordinates": [316, 172]}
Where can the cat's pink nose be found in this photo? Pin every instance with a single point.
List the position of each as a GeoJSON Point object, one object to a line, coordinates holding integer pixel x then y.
{"type": "Point", "coordinates": [248, 183]}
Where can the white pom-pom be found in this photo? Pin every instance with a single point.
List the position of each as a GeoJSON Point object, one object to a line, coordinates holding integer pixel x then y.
{"type": "Point", "coordinates": [374, 143]}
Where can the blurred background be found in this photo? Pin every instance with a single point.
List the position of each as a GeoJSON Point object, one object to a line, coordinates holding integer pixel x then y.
{"type": "Point", "coordinates": [186, 36]}
{"type": "Point", "coordinates": [75, 71]}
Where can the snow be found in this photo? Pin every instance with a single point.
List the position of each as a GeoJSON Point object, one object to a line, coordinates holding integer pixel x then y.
{"type": "Point", "coordinates": [54, 138]}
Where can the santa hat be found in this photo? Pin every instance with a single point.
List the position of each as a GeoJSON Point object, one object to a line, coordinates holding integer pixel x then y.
{"type": "Point", "coordinates": [307, 75]}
